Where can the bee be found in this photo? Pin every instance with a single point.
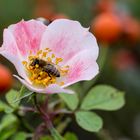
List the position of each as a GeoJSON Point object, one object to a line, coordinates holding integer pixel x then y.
{"type": "Point", "coordinates": [48, 67]}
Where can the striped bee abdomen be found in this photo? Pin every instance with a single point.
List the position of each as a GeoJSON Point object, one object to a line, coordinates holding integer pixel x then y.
{"type": "Point", "coordinates": [51, 70]}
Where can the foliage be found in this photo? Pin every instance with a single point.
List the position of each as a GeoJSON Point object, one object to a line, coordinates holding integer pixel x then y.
{"type": "Point", "coordinates": [101, 97]}
{"type": "Point", "coordinates": [70, 99]}
{"type": "Point", "coordinates": [89, 121]}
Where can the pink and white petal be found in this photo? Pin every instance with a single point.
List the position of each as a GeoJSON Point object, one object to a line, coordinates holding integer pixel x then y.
{"type": "Point", "coordinates": [82, 67]}
{"type": "Point", "coordinates": [27, 35]}
{"type": "Point", "coordinates": [9, 44]}
{"type": "Point", "coordinates": [90, 42]}
{"type": "Point", "coordinates": [53, 88]}
{"type": "Point", "coordinates": [9, 51]}
{"type": "Point", "coordinates": [66, 38]}
{"type": "Point", "coordinates": [18, 65]}
{"type": "Point", "coordinates": [19, 39]}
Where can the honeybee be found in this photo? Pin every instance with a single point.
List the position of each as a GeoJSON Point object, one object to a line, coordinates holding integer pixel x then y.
{"type": "Point", "coordinates": [50, 68]}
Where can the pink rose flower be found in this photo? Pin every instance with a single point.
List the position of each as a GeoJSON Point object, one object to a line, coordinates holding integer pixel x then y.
{"type": "Point", "coordinates": [50, 58]}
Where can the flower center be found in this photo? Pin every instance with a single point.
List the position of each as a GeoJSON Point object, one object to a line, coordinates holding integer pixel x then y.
{"type": "Point", "coordinates": [43, 68]}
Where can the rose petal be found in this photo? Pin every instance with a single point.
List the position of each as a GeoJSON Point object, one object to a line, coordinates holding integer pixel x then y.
{"type": "Point", "coordinates": [66, 38]}
{"type": "Point", "coordinates": [53, 88]}
{"type": "Point", "coordinates": [9, 51]}
{"type": "Point", "coordinates": [18, 40]}
{"type": "Point", "coordinates": [27, 35]}
{"type": "Point", "coordinates": [82, 67]}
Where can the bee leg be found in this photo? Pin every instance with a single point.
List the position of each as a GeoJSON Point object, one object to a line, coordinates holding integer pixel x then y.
{"type": "Point", "coordinates": [49, 75]}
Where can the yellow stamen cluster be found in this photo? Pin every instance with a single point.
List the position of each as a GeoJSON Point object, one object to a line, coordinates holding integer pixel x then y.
{"type": "Point", "coordinates": [35, 72]}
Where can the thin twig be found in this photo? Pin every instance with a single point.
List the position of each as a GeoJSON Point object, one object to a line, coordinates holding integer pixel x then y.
{"type": "Point", "coordinates": [27, 109]}
{"type": "Point", "coordinates": [38, 131]}
{"type": "Point", "coordinates": [44, 115]}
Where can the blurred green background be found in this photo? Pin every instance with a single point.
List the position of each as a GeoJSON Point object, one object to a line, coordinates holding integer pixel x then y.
{"type": "Point", "coordinates": [122, 61]}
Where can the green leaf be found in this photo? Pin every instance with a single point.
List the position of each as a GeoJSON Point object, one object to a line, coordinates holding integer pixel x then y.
{"type": "Point", "coordinates": [8, 126]}
{"type": "Point", "coordinates": [6, 133]}
{"type": "Point", "coordinates": [24, 92]}
{"type": "Point", "coordinates": [4, 107]}
{"type": "Point", "coordinates": [20, 136]}
{"type": "Point", "coordinates": [56, 135]}
{"type": "Point", "coordinates": [103, 97]}
{"type": "Point", "coordinates": [70, 99]}
{"type": "Point", "coordinates": [11, 96]}
{"type": "Point", "coordinates": [89, 121]}
{"type": "Point", "coordinates": [70, 136]}
{"type": "Point", "coordinates": [8, 120]}
{"type": "Point", "coordinates": [8, 110]}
